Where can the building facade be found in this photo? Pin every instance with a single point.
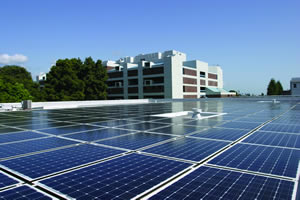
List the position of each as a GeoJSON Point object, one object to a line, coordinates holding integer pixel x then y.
{"type": "Point", "coordinates": [163, 75]}
{"type": "Point", "coordinates": [295, 86]}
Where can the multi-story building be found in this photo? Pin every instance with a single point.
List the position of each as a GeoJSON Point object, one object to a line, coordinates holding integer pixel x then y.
{"type": "Point", "coordinates": [295, 86]}
{"type": "Point", "coordinates": [163, 75]}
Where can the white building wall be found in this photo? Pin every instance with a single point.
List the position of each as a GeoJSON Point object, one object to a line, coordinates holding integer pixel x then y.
{"type": "Point", "coordinates": [173, 62]}
{"type": "Point", "coordinates": [295, 86]}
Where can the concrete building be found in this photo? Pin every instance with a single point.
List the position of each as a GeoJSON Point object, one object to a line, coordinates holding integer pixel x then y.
{"type": "Point", "coordinates": [295, 86]}
{"type": "Point", "coordinates": [163, 75]}
{"type": "Point", "coordinates": [41, 78]}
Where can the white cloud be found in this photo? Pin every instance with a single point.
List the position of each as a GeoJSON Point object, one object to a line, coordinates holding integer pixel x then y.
{"type": "Point", "coordinates": [17, 58]}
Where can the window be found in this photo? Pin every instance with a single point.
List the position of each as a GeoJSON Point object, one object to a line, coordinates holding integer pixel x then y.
{"type": "Point", "coordinates": [202, 74]}
{"type": "Point", "coordinates": [202, 89]}
{"type": "Point", "coordinates": [295, 85]}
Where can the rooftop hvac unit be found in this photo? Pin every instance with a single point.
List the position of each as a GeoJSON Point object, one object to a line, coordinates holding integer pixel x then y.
{"type": "Point", "coordinates": [26, 105]}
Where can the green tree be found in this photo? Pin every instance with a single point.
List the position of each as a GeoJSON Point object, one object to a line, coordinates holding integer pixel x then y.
{"type": "Point", "coordinates": [94, 76]}
{"type": "Point", "coordinates": [62, 82]}
{"type": "Point", "coordinates": [72, 79]}
{"type": "Point", "coordinates": [279, 88]}
{"type": "Point", "coordinates": [13, 92]}
{"type": "Point", "coordinates": [272, 87]}
{"type": "Point", "coordinates": [15, 74]}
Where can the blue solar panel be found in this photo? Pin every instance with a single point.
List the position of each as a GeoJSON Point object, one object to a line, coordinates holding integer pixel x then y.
{"type": "Point", "coordinates": [275, 139]}
{"type": "Point", "coordinates": [99, 134]}
{"type": "Point", "coordinates": [204, 122]}
{"type": "Point", "coordinates": [278, 161]}
{"type": "Point", "coordinates": [282, 128]}
{"type": "Point", "coordinates": [240, 125]}
{"type": "Point", "coordinates": [135, 141]}
{"type": "Point", "coordinates": [211, 183]}
{"type": "Point", "coordinates": [178, 129]}
{"type": "Point", "coordinates": [6, 181]}
{"type": "Point", "coordinates": [142, 126]}
{"type": "Point", "coordinates": [120, 178]}
{"type": "Point", "coordinates": [69, 129]}
{"type": "Point", "coordinates": [221, 133]}
{"type": "Point", "coordinates": [49, 162]}
{"type": "Point", "coordinates": [23, 193]}
{"type": "Point", "coordinates": [44, 125]}
{"type": "Point", "coordinates": [8, 130]}
{"type": "Point", "coordinates": [113, 123]}
{"type": "Point", "coordinates": [188, 148]}
{"type": "Point", "coordinates": [14, 137]}
{"type": "Point", "coordinates": [14, 149]}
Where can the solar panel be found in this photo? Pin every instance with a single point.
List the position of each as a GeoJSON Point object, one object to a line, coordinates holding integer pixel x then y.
{"type": "Point", "coordinates": [14, 137]}
{"type": "Point", "coordinates": [274, 139]}
{"type": "Point", "coordinates": [188, 148]}
{"type": "Point", "coordinates": [178, 129]}
{"type": "Point", "coordinates": [99, 134]}
{"type": "Point", "coordinates": [8, 130]}
{"type": "Point", "coordinates": [211, 183]}
{"type": "Point", "coordinates": [142, 126]}
{"type": "Point", "coordinates": [42, 164]}
{"type": "Point", "coordinates": [221, 133]}
{"type": "Point", "coordinates": [113, 123]}
{"type": "Point", "coordinates": [23, 192]}
{"type": "Point", "coordinates": [240, 125]}
{"type": "Point", "coordinates": [44, 125]}
{"type": "Point", "coordinates": [135, 141]}
{"type": "Point", "coordinates": [277, 161]}
{"type": "Point", "coordinates": [6, 181]}
{"type": "Point", "coordinates": [19, 148]}
{"type": "Point", "coordinates": [120, 178]}
{"type": "Point", "coordinates": [290, 128]}
{"type": "Point", "coordinates": [69, 129]}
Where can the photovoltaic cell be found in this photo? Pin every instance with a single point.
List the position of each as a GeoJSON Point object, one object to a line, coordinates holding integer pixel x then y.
{"type": "Point", "coordinates": [278, 161]}
{"type": "Point", "coordinates": [240, 125]}
{"type": "Point", "coordinates": [19, 136]}
{"type": "Point", "coordinates": [188, 148]}
{"type": "Point", "coordinates": [69, 129]}
{"type": "Point", "coordinates": [221, 133]}
{"type": "Point", "coordinates": [113, 123]}
{"type": "Point", "coordinates": [211, 183]}
{"type": "Point", "coordinates": [8, 130]}
{"type": "Point", "coordinates": [6, 181]}
{"type": "Point", "coordinates": [142, 126]}
{"type": "Point", "coordinates": [281, 128]}
{"type": "Point", "coordinates": [44, 125]}
{"type": "Point", "coordinates": [135, 141]}
{"type": "Point", "coordinates": [99, 134]}
{"type": "Point", "coordinates": [120, 178]}
{"type": "Point", "coordinates": [275, 139]}
{"type": "Point", "coordinates": [46, 163]}
{"type": "Point", "coordinates": [23, 192]}
{"type": "Point", "coordinates": [178, 129]}
{"type": "Point", "coordinates": [14, 149]}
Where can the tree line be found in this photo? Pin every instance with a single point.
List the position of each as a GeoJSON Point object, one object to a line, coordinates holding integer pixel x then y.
{"type": "Point", "coordinates": [274, 88]}
{"type": "Point", "coordinates": [68, 80]}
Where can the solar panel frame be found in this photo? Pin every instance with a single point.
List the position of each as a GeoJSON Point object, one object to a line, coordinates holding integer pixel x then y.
{"type": "Point", "coordinates": [212, 183]}
{"type": "Point", "coordinates": [123, 177]}
{"type": "Point", "coordinates": [42, 164]}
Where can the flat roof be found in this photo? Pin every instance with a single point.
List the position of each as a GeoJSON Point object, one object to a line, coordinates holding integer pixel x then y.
{"type": "Point", "coordinates": [250, 151]}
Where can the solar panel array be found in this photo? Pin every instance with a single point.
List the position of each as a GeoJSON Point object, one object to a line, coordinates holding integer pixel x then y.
{"type": "Point", "coordinates": [125, 152]}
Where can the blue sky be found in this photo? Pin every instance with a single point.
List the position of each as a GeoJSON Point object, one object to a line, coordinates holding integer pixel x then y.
{"type": "Point", "coordinates": [252, 40]}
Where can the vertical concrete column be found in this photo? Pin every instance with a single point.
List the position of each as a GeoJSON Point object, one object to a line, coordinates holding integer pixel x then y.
{"type": "Point", "coordinates": [125, 80]}
{"type": "Point", "coordinates": [140, 80]}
